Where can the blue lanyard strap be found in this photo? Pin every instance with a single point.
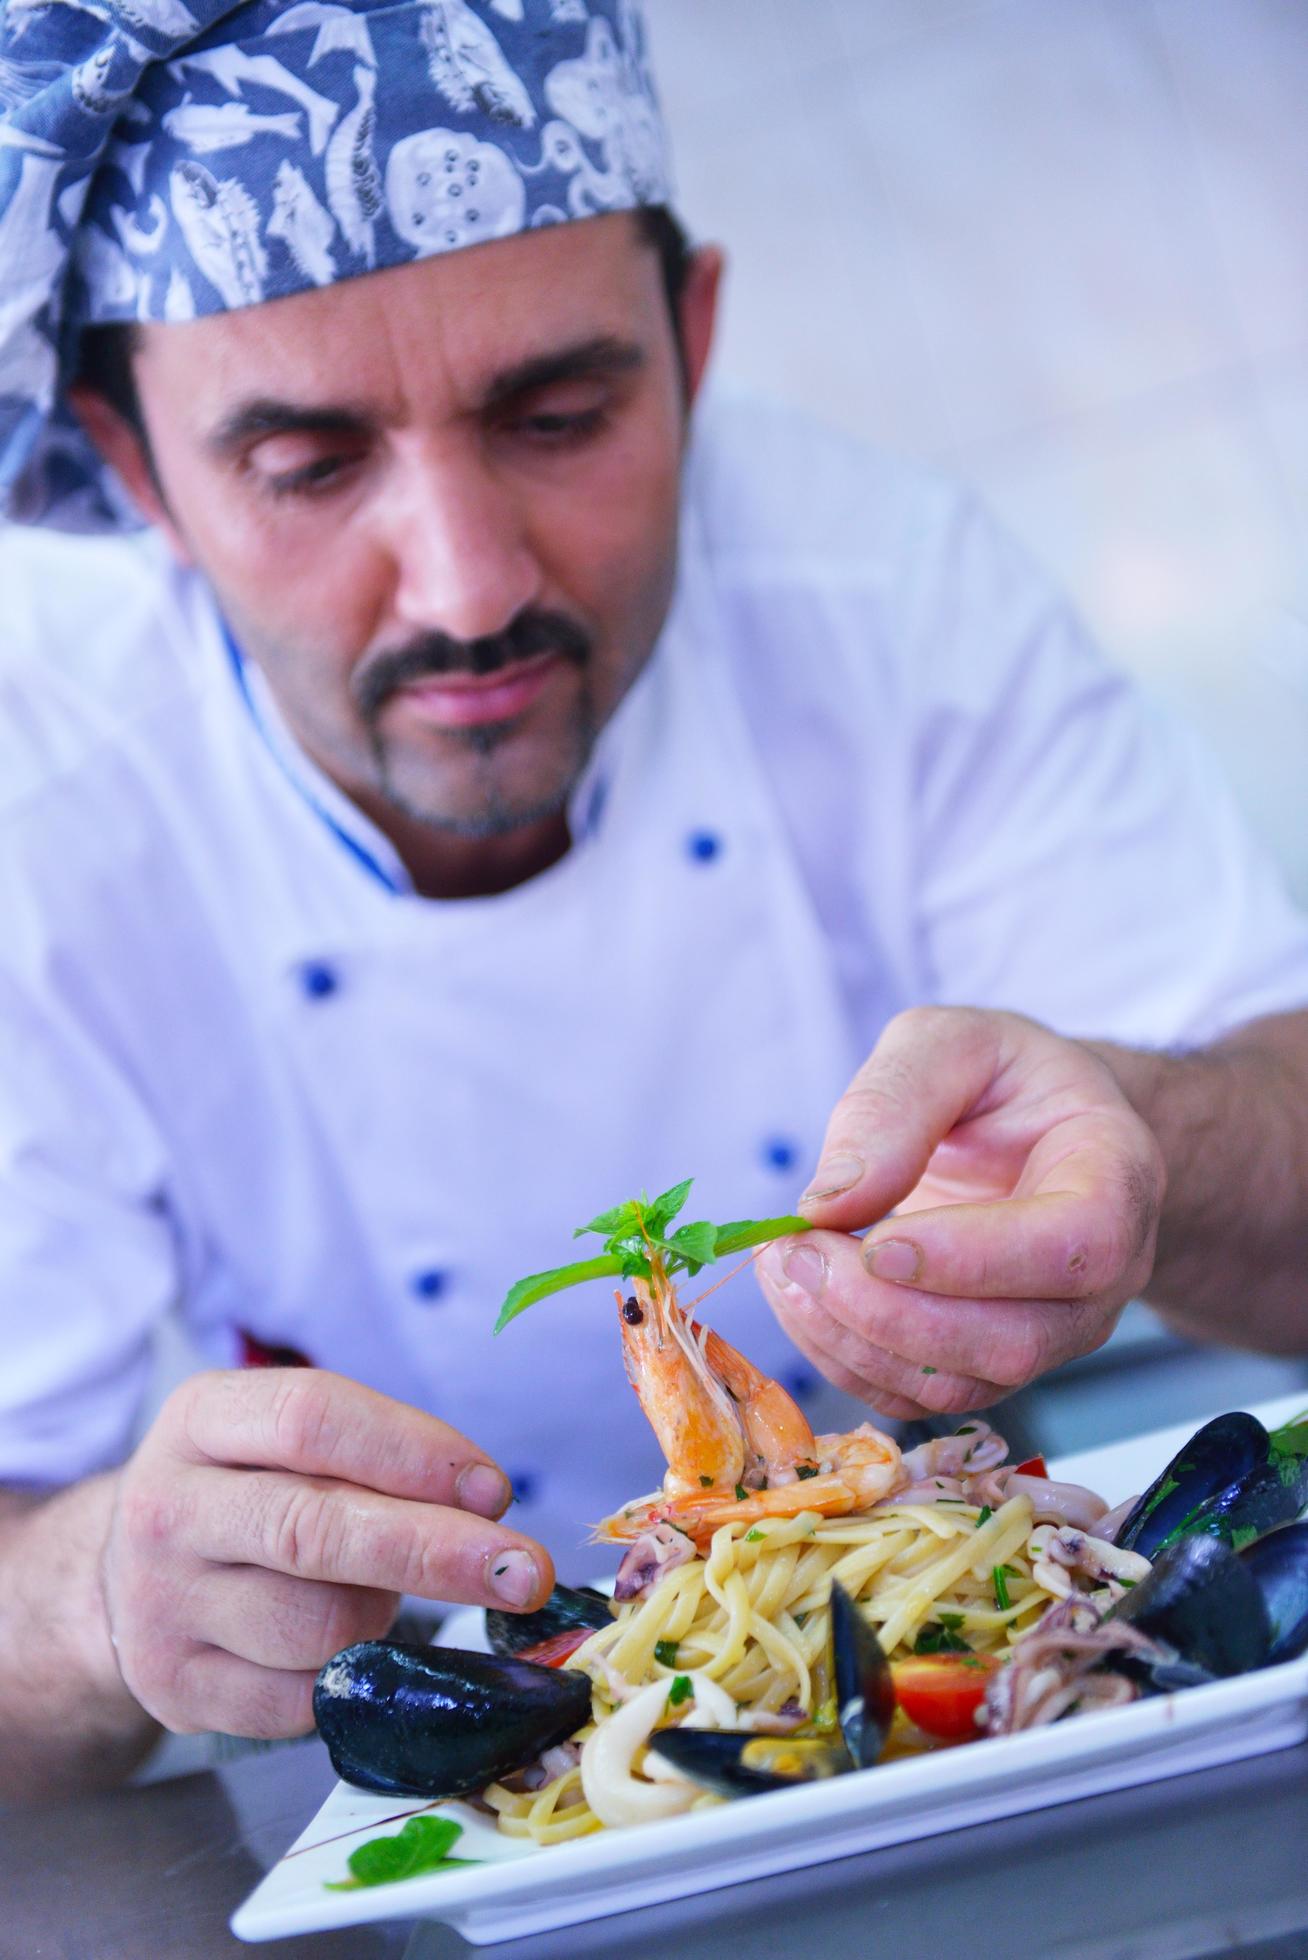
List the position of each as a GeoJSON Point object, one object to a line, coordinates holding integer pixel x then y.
{"type": "Point", "coordinates": [358, 851]}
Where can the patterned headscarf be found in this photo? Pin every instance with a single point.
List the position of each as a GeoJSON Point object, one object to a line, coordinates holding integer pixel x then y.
{"type": "Point", "coordinates": [161, 160]}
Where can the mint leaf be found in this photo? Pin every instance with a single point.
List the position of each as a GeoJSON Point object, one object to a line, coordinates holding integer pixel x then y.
{"type": "Point", "coordinates": [536, 1286]}
{"type": "Point", "coordinates": [660, 1214]}
{"type": "Point", "coordinates": [695, 1244]}
{"type": "Point", "coordinates": [635, 1234]}
{"type": "Point", "coordinates": [745, 1232]}
{"type": "Point", "coordinates": [422, 1846]}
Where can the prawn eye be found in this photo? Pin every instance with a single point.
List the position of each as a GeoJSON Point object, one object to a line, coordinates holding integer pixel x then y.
{"type": "Point", "coordinates": [632, 1312]}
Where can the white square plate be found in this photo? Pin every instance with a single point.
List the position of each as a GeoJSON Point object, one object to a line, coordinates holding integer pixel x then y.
{"type": "Point", "coordinates": [520, 1889]}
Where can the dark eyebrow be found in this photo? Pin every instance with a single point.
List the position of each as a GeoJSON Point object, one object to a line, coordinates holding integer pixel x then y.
{"type": "Point", "coordinates": [253, 421]}
{"type": "Point", "coordinates": [604, 355]}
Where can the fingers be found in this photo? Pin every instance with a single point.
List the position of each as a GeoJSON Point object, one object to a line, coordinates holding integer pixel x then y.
{"type": "Point", "coordinates": [880, 1340]}
{"type": "Point", "coordinates": [320, 1424]}
{"type": "Point", "coordinates": [315, 1528]}
{"type": "Point", "coordinates": [278, 1622]}
{"type": "Point", "coordinates": [928, 1069]}
{"type": "Point", "coordinates": [203, 1688]}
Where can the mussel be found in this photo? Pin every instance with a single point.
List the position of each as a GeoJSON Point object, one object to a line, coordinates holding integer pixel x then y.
{"type": "Point", "coordinates": [1232, 1481]}
{"type": "Point", "coordinates": [1203, 1603]}
{"type": "Point", "coordinates": [741, 1763]}
{"type": "Point", "coordinates": [567, 1610]}
{"type": "Point", "coordinates": [1278, 1564]}
{"type": "Point", "coordinates": [435, 1722]}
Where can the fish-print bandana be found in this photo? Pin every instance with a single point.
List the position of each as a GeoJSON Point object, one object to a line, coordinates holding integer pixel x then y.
{"type": "Point", "coordinates": [164, 159]}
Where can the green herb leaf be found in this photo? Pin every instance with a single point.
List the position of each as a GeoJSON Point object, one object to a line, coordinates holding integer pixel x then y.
{"type": "Point", "coordinates": [951, 1621]}
{"type": "Point", "coordinates": [741, 1493]}
{"type": "Point", "coordinates": [421, 1847]}
{"type": "Point", "coordinates": [930, 1371]}
{"type": "Point", "coordinates": [940, 1640]}
{"type": "Point", "coordinates": [635, 1234]}
{"type": "Point", "coordinates": [537, 1285]}
{"type": "Point", "coordinates": [754, 1536]}
{"type": "Point", "coordinates": [695, 1244]}
{"type": "Point", "coordinates": [1000, 1581]}
{"type": "Point", "coordinates": [664, 1209]}
{"type": "Point", "coordinates": [681, 1690]}
{"type": "Point", "coordinates": [665, 1652]}
{"type": "Point", "coordinates": [981, 1516]}
{"type": "Point", "coordinates": [804, 1471]}
{"type": "Point", "coordinates": [743, 1233]}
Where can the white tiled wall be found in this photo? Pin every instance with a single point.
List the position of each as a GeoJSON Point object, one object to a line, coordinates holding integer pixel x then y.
{"type": "Point", "coordinates": [1060, 246]}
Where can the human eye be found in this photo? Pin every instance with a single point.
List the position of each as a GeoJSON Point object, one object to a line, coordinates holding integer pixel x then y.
{"type": "Point", "coordinates": [560, 419]}
{"type": "Point", "coordinates": [287, 467]}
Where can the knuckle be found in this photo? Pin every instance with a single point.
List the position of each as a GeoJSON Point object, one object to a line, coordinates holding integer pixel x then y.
{"type": "Point", "coordinates": [301, 1415]}
{"type": "Point", "coordinates": [1025, 1352]}
{"type": "Point", "coordinates": [946, 1394]}
{"type": "Point", "coordinates": [305, 1529]}
{"type": "Point", "coordinates": [153, 1515]}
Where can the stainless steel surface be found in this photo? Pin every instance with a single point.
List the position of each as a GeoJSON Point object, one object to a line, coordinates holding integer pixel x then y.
{"type": "Point", "coordinates": [1205, 1864]}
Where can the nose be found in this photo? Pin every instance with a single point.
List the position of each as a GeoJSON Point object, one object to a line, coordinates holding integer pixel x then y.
{"type": "Point", "coordinates": [459, 543]}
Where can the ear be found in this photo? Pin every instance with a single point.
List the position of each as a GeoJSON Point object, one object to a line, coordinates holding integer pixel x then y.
{"type": "Point", "coordinates": [124, 451]}
{"type": "Point", "coordinates": [698, 311]}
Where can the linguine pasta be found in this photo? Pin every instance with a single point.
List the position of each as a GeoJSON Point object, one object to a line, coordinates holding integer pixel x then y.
{"type": "Point", "coordinates": [747, 1627]}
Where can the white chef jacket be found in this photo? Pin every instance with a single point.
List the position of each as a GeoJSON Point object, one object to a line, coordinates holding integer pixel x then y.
{"type": "Point", "coordinates": [248, 1076]}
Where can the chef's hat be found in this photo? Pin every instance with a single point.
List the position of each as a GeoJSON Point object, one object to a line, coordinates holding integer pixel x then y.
{"type": "Point", "coordinates": [161, 160]}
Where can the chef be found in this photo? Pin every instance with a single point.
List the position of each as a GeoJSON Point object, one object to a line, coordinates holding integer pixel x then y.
{"type": "Point", "coordinates": [453, 776]}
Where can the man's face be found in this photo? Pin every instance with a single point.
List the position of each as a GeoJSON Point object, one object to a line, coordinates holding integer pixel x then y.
{"type": "Point", "coordinates": [438, 506]}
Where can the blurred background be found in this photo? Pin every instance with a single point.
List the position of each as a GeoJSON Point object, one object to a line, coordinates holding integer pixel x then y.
{"type": "Point", "coordinates": [1060, 249]}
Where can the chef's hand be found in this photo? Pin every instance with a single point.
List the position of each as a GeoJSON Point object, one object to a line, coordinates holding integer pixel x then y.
{"type": "Point", "coordinates": [1028, 1195]}
{"type": "Point", "coordinates": [270, 1518]}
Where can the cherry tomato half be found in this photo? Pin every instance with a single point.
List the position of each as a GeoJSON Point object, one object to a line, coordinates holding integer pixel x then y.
{"type": "Point", "coordinates": [1035, 1466]}
{"type": "Point", "coordinates": [942, 1692]}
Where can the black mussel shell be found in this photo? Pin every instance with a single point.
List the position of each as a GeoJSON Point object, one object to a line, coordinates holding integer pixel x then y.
{"type": "Point", "coordinates": [1272, 1494]}
{"type": "Point", "coordinates": [434, 1722]}
{"type": "Point", "coordinates": [567, 1607]}
{"type": "Point", "coordinates": [1215, 1458]}
{"type": "Point", "coordinates": [865, 1688]}
{"type": "Point", "coordinates": [1200, 1601]}
{"type": "Point", "coordinates": [1279, 1566]}
{"type": "Point", "coordinates": [744, 1765]}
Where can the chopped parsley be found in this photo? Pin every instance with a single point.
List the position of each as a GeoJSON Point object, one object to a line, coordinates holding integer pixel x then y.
{"type": "Point", "coordinates": [741, 1493]}
{"type": "Point", "coordinates": [941, 1639]}
{"type": "Point", "coordinates": [755, 1536]}
{"type": "Point", "coordinates": [681, 1690]}
{"type": "Point", "coordinates": [929, 1371]}
{"type": "Point", "coordinates": [981, 1516]}
{"type": "Point", "coordinates": [665, 1652]}
{"type": "Point", "coordinates": [805, 1470]}
{"type": "Point", "coordinates": [999, 1578]}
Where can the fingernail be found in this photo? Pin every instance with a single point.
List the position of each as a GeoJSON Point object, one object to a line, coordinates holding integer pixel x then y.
{"type": "Point", "coordinates": [483, 1489]}
{"type": "Point", "coordinates": [834, 1175]}
{"type": "Point", "coordinates": [897, 1259]}
{"type": "Point", "coordinates": [513, 1577]}
{"type": "Point", "coordinates": [805, 1267]}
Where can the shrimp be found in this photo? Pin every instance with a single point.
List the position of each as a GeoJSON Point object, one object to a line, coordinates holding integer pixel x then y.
{"type": "Point", "coordinates": [738, 1447]}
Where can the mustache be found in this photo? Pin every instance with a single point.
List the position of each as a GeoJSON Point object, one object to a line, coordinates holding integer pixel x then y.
{"type": "Point", "coordinates": [532, 632]}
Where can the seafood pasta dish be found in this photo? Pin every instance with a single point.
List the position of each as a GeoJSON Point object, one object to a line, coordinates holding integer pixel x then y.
{"type": "Point", "coordinates": [791, 1606]}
